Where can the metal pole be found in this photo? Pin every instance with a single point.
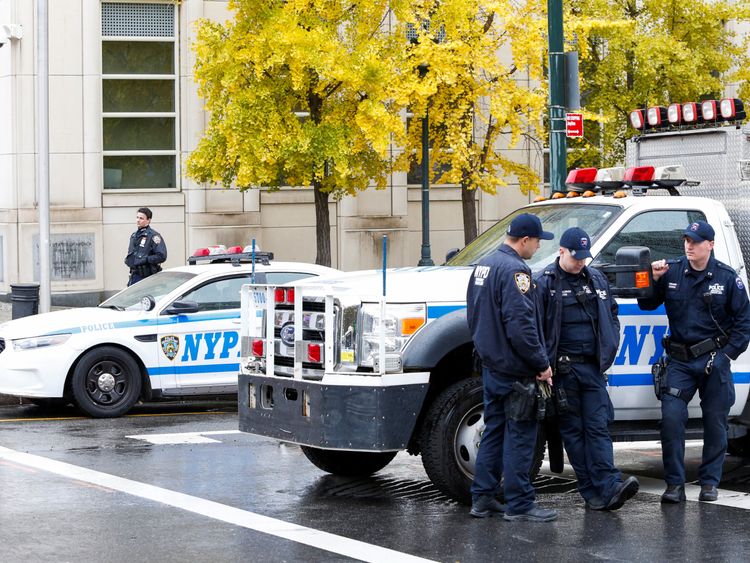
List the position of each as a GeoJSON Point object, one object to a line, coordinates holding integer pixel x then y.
{"type": "Point", "coordinates": [557, 145]}
{"type": "Point", "coordinates": [426, 259]}
{"type": "Point", "coordinates": [42, 157]}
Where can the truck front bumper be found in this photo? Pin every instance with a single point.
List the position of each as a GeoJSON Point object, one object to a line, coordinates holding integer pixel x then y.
{"type": "Point", "coordinates": [343, 412]}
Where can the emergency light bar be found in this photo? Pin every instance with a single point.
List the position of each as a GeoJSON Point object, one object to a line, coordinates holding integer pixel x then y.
{"type": "Point", "coordinates": [235, 254]}
{"type": "Point", "coordinates": [677, 115]}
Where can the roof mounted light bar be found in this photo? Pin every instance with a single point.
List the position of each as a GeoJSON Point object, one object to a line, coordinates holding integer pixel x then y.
{"type": "Point", "coordinates": [688, 114]}
{"type": "Point", "coordinates": [638, 179]}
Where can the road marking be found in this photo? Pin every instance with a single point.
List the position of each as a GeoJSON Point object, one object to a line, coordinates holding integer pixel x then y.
{"type": "Point", "coordinates": [650, 445]}
{"type": "Point", "coordinates": [52, 418]}
{"type": "Point", "coordinates": [333, 543]}
{"type": "Point", "coordinates": [182, 437]}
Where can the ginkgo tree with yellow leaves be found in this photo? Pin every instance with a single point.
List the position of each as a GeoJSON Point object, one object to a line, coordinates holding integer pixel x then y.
{"type": "Point", "coordinates": [313, 93]}
{"type": "Point", "coordinates": [636, 53]}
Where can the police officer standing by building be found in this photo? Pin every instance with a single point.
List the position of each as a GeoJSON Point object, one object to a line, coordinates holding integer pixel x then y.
{"type": "Point", "coordinates": [147, 249]}
{"type": "Point", "coordinates": [709, 323]}
{"type": "Point", "coordinates": [582, 333]}
{"type": "Point", "coordinates": [504, 324]}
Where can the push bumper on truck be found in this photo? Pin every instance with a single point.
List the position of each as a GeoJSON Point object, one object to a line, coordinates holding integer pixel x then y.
{"type": "Point", "coordinates": [294, 386]}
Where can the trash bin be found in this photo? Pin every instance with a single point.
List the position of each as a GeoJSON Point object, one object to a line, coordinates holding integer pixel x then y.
{"type": "Point", "coordinates": [25, 299]}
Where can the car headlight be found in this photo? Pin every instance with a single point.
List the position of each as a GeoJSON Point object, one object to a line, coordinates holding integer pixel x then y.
{"type": "Point", "coordinates": [39, 342]}
{"type": "Point", "coordinates": [400, 323]}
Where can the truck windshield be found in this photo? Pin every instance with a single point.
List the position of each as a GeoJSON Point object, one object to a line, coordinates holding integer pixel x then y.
{"type": "Point", "coordinates": [593, 218]}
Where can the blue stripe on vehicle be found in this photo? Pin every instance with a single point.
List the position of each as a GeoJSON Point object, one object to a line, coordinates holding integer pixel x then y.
{"type": "Point", "coordinates": [436, 311]}
{"type": "Point", "coordinates": [635, 379]}
{"type": "Point", "coordinates": [631, 309]}
{"type": "Point", "coordinates": [204, 368]}
{"type": "Point", "coordinates": [165, 320]}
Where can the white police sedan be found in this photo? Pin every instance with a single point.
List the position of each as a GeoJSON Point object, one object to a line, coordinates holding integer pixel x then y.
{"type": "Point", "coordinates": [172, 335]}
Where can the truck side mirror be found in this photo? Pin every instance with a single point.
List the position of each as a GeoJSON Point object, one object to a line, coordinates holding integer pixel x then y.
{"type": "Point", "coordinates": [632, 271]}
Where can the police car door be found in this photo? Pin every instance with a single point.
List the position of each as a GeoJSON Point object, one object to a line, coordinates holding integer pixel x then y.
{"type": "Point", "coordinates": [202, 348]}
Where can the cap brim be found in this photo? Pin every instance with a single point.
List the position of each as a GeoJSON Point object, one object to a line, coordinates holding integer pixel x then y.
{"type": "Point", "coordinates": [580, 254]}
{"type": "Point", "coordinates": [694, 236]}
{"type": "Point", "coordinates": [546, 235]}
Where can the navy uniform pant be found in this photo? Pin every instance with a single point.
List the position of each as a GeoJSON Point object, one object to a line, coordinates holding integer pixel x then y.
{"type": "Point", "coordinates": [585, 432]}
{"type": "Point", "coordinates": [716, 391]}
{"type": "Point", "coordinates": [134, 278]}
{"type": "Point", "coordinates": [506, 449]}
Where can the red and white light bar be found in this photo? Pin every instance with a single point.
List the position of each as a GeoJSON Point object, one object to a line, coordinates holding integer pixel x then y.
{"type": "Point", "coordinates": [590, 180]}
{"type": "Point", "coordinates": [688, 113]}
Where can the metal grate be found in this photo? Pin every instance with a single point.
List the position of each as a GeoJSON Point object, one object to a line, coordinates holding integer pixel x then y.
{"type": "Point", "coordinates": [2, 344]}
{"type": "Point", "coordinates": [137, 20]}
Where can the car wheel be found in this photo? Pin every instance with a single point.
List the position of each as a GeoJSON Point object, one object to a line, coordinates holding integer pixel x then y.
{"type": "Point", "coordinates": [351, 464]}
{"type": "Point", "coordinates": [106, 382]}
{"type": "Point", "coordinates": [450, 438]}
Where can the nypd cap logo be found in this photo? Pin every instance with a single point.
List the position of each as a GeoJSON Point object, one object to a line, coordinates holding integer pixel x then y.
{"type": "Point", "coordinates": [170, 345]}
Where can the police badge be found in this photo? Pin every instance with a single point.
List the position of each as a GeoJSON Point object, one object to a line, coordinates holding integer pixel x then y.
{"type": "Point", "coordinates": [523, 281]}
{"type": "Point", "coordinates": [170, 345]}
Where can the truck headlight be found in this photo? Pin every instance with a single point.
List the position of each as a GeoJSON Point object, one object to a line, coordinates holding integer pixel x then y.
{"type": "Point", "coordinates": [401, 322]}
{"type": "Point", "coordinates": [39, 342]}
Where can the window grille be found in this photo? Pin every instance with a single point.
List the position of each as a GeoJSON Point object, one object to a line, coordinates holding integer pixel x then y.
{"type": "Point", "coordinates": [120, 19]}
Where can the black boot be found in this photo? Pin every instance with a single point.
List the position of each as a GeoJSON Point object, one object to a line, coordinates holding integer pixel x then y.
{"type": "Point", "coordinates": [674, 494]}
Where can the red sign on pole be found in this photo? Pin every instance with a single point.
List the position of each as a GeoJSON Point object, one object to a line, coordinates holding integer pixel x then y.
{"type": "Point", "coordinates": [574, 125]}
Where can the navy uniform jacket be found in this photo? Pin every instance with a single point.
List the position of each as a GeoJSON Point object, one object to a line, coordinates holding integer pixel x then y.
{"type": "Point", "coordinates": [503, 317]}
{"type": "Point", "coordinates": [146, 247]}
{"type": "Point", "coordinates": [549, 292]}
{"type": "Point", "coordinates": [684, 293]}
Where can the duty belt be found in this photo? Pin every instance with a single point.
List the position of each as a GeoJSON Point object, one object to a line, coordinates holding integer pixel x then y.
{"type": "Point", "coordinates": [686, 352]}
{"type": "Point", "coordinates": [573, 359]}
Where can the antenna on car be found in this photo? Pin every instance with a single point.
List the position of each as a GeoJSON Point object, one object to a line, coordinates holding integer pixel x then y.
{"type": "Point", "coordinates": [252, 273]}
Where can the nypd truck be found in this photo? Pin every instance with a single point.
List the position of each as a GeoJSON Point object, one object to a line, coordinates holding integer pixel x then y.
{"type": "Point", "coordinates": [357, 367]}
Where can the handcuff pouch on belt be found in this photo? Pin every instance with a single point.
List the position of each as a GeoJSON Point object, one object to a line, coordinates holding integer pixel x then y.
{"type": "Point", "coordinates": [687, 352]}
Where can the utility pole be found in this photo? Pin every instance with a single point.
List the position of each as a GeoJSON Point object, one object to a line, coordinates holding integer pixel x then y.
{"type": "Point", "coordinates": [425, 257]}
{"type": "Point", "coordinates": [557, 144]}
{"type": "Point", "coordinates": [42, 151]}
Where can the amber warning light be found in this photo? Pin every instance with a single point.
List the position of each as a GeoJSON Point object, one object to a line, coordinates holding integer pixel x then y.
{"type": "Point", "coordinates": [642, 280]}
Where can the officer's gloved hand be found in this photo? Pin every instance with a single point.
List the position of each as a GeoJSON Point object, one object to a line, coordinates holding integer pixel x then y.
{"type": "Point", "coordinates": [140, 261]}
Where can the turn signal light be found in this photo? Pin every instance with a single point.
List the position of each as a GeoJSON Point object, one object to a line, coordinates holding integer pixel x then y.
{"type": "Point", "coordinates": [642, 280]}
{"type": "Point", "coordinates": [313, 353]}
{"type": "Point", "coordinates": [257, 347]}
{"type": "Point", "coordinates": [411, 325]}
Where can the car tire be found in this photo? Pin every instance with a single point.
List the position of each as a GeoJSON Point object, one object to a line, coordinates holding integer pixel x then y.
{"type": "Point", "coordinates": [739, 447]}
{"type": "Point", "coordinates": [350, 464]}
{"type": "Point", "coordinates": [106, 382]}
{"type": "Point", "coordinates": [450, 436]}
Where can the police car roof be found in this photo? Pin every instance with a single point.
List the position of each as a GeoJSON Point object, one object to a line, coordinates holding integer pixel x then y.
{"type": "Point", "coordinates": [646, 202]}
{"type": "Point", "coordinates": [228, 268]}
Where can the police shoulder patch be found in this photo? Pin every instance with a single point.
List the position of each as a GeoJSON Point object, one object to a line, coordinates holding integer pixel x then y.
{"type": "Point", "coordinates": [157, 239]}
{"type": "Point", "coordinates": [739, 283]}
{"type": "Point", "coordinates": [170, 345]}
{"type": "Point", "coordinates": [523, 281]}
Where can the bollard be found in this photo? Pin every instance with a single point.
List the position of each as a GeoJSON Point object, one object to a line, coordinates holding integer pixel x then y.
{"type": "Point", "coordinates": [25, 299]}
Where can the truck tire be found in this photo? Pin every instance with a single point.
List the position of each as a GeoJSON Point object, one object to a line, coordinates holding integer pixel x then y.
{"type": "Point", "coordinates": [106, 382]}
{"type": "Point", "coordinates": [739, 447]}
{"type": "Point", "coordinates": [450, 437]}
{"type": "Point", "coordinates": [349, 464]}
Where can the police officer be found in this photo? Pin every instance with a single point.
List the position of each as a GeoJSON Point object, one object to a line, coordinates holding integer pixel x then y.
{"type": "Point", "coordinates": [582, 333]}
{"type": "Point", "coordinates": [504, 325]}
{"type": "Point", "coordinates": [709, 323]}
{"type": "Point", "coordinates": [146, 250]}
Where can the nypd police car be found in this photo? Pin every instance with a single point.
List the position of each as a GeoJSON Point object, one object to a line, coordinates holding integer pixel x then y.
{"type": "Point", "coordinates": [171, 335]}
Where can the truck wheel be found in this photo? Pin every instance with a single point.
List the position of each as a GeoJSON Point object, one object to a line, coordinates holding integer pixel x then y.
{"type": "Point", "coordinates": [450, 437]}
{"type": "Point", "coordinates": [349, 464]}
{"type": "Point", "coordinates": [739, 447]}
{"type": "Point", "coordinates": [106, 382]}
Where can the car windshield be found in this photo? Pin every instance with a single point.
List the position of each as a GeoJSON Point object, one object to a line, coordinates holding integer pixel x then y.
{"type": "Point", "coordinates": [157, 286]}
{"type": "Point", "coordinates": [593, 218]}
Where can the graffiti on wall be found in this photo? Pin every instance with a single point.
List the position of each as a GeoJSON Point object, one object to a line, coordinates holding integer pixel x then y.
{"type": "Point", "coordinates": [71, 257]}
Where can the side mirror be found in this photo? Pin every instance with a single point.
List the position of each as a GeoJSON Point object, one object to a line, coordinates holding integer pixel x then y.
{"type": "Point", "coordinates": [451, 253]}
{"type": "Point", "coordinates": [182, 308]}
{"type": "Point", "coordinates": [632, 271]}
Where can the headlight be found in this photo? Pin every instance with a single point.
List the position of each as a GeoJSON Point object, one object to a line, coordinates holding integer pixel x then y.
{"type": "Point", "coordinates": [39, 342]}
{"type": "Point", "coordinates": [401, 322]}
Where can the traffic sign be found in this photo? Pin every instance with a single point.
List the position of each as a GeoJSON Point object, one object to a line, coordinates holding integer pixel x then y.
{"type": "Point", "coordinates": [574, 125]}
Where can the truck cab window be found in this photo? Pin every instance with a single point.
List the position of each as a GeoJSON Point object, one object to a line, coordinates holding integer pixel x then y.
{"type": "Point", "coordinates": [660, 230]}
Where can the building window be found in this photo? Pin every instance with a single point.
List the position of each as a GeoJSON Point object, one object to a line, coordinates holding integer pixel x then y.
{"type": "Point", "coordinates": [414, 174]}
{"type": "Point", "coordinates": [139, 96]}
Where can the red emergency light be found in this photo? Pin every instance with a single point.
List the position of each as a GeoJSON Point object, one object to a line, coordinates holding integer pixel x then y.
{"type": "Point", "coordinates": [202, 252]}
{"type": "Point", "coordinates": [234, 250]}
{"type": "Point", "coordinates": [284, 295]}
{"type": "Point", "coordinates": [656, 116]}
{"type": "Point", "coordinates": [691, 113]}
{"type": "Point", "coordinates": [639, 176]}
{"type": "Point", "coordinates": [636, 119]}
{"type": "Point", "coordinates": [581, 178]}
{"type": "Point", "coordinates": [732, 109]}
{"type": "Point", "coordinates": [314, 353]}
{"type": "Point", "coordinates": [674, 114]}
{"type": "Point", "coordinates": [257, 347]}
{"type": "Point", "coordinates": [709, 110]}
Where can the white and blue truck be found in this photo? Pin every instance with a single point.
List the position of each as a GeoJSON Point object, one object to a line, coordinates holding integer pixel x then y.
{"type": "Point", "coordinates": [357, 367]}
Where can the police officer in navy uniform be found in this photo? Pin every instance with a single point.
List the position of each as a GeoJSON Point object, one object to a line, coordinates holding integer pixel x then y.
{"type": "Point", "coordinates": [709, 323]}
{"type": "Point", "coordinates": [504, 323]}
{"type": "Point", "coordinates": [582, 333]}
{"type": "Point", "coordinates": [147, 249]}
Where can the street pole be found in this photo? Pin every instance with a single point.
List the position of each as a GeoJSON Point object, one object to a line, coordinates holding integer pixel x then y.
{"type": "Point", "coordinates": [426, 258]}
{"type": "Point", "coordinates": [42, 156]}
{"type": "Point", "coordinates": [557, 145]}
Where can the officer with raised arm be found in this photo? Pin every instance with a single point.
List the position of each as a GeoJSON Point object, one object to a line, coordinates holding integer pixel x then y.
{"type": "Point", "coordinates": [146, 250]}
{"type": "Point", "coordinates": [504, 324]}
{"type": "Point", "coordinates": [709, 323]}
{"type": "Point", "coordinates": [582, 333]}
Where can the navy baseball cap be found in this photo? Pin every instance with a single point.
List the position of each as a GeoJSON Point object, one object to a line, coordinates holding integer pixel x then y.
{"type": "Point", "coordinates": [528, 225]}
{"type": "Point", "coordinates": [699, 231]}
{"type": "Point", "coordinates": [578, 242]}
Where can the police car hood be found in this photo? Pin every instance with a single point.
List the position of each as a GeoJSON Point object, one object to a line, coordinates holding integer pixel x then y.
{"type": "Point", "coordinates": [405, 285]}
{"type": "Point", "coordinates": [74, 321]}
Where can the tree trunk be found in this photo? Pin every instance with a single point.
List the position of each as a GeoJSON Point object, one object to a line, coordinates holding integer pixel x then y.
{"type": "Point", "coordinates": [322, 226]}
{"type": "Point", "coordinates": [468, 197]}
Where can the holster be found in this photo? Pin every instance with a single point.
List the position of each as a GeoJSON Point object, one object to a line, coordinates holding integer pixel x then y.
{"type": "Point", "coordinates": [659, 373]}
{"type": "Point", "coordinates": [521, 403]}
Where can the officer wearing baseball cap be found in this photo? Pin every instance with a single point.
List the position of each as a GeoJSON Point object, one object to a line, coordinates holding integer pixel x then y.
{"type": "Point", "coordinates": [504, 324]}
{"type": "Point", "coordinates": [582, 333]}
{"type": "Point", "coordinates": [709, 325]}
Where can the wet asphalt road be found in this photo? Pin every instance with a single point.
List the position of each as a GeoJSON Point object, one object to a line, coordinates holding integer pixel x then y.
{"type": "Point", "coordinates": [46, 516]}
